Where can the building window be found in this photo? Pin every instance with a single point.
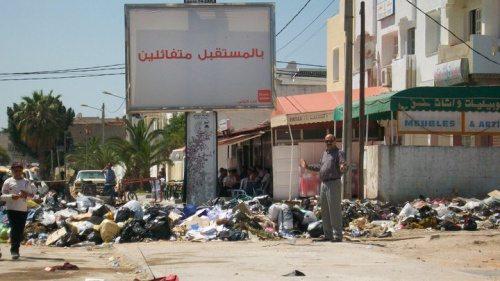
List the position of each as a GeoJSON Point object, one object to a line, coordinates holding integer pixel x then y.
{"type": "Point", "coordinates": [432, 33]}
{"type": "Point", "coordinates": [336, 65]}
{"type": "Point", "coordinates": [411, 42]}
{"type": "Point", "coordinates": [396, 47]}
{"type": "Point", "coordinates": [475, 22]}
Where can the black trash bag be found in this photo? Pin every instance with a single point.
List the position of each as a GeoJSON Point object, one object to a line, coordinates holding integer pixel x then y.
{"type": "Point", "coordinates": [449, 226]}
{"type": "Point", "coordinates": [95, 237]}
{"type": "Point", "coordinates": [123, 214]}
{"type": "Point", "coordinates": [99, 210]}
{"type": "Point", "coordinates": [298, 217]}
{"type": "Point", "coordinates": [51, 204]}
{"type": "Point", "coordinates": [426, 212]}
{"type": "Point", "coordinates": [265, 200]}
{"type": "Point", "coordinates": [158, 228]}
{"type": "Point", "coordinates": [96, 220]}
{"type": "Point", "coordinates": [134, 231]}
{"type": "Point", "coordinates": [315, 229]}
{"type": "Point", "coordinates": [233, 235]}
{"type": "Point", "coordinates": [470, 224]}
{"type": "Point", "coordinates": [155, 211]}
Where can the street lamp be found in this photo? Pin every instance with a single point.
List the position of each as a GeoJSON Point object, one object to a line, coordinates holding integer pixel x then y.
{"type": "Point", "coordinates": [111, 94]}
{"type": "Point", "coordinates": [120, 97]}
{"type": "Point", "coordinates": [102, 118]}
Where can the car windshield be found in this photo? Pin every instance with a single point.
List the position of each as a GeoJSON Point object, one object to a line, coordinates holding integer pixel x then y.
{"type": "Point", "coordinates": [90, 175]}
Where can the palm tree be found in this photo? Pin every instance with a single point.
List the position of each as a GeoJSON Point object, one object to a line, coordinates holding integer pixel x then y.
{"type": "Point", "coordinates": [93, 155]}
{"type": "Point", "coordinates": [37, 123]}
{"type": "Point", "coordinates": [142, 149]}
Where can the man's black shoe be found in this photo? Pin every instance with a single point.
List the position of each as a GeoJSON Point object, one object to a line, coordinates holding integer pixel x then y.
{"type": "Point", "coordinates": [14, 255]}
{"type": "Point", "coordinates": [322, 240]}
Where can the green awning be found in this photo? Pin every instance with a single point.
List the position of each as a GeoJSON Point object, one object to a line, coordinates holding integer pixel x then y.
{"type": "Point", "coordinates": [463, 99]}
{"type": "Point", "coordinates": [377, 107]}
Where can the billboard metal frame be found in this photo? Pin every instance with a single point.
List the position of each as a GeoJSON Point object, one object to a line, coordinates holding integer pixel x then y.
{"type": "Point", "coordinates": [153, 109]}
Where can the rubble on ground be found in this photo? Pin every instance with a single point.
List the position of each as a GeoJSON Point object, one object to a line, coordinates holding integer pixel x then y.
{"type": "Point", "coordinates": [89, 221]}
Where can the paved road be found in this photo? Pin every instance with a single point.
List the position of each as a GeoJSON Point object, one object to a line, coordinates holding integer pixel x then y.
{"type": "Point", "coordinates": [326, 261]}
{"type": "Point", "coordinates": [416, 255]}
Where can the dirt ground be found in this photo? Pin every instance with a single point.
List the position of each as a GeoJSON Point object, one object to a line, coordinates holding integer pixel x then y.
{"type": "Point", "coordinates": [409, 255]}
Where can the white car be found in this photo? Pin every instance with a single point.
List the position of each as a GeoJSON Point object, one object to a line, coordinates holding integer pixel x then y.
{"type": "Point", "coordinates": [88, 177]}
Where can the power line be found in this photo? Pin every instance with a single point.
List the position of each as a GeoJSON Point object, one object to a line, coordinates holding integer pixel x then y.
{"type": "Point", "coordinates": [62, 77]}
{"type": "Point", "coordinates": [290, 21]}
{"type": "Point", "coordinates": [307, 40]}
{"type": "Point", "coordinates": [101, 67]}
{"type": "Point", "coordinates": [452, 33]}
{"type": "Point", "coordinates": [303, 30]}
{"type": "Point", "coordinates": [305, 64]}
{"type": "Point", "coordinates": [117, 108]}
{"type": "Point", "coordinates": [64, 71]}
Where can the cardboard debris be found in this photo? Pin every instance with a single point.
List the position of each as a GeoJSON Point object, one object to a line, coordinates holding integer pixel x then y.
{"type": "Point", "coordinates": [54, 237]}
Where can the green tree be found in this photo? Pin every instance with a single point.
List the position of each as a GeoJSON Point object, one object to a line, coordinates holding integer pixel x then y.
{"type": "Point", "coordinates": [4, 156]}
{"type": "Point", "coordinates": [141, 150]}
{"type": "Point", "coordinates": [174, 134]}
{"type": "Point", "coordinates": [37, 124]}
{"type": "Point", "coordinates": [93, 155]}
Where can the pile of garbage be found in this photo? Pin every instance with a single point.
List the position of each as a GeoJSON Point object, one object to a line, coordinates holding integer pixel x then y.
{"type": "Point", "coordinates": [90, 221]}
{"type": "Point", "coordinates": [375, 219]}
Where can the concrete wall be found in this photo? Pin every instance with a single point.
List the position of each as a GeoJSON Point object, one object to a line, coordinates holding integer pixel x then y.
{"type": "Point", "coordinates": [400, 173]}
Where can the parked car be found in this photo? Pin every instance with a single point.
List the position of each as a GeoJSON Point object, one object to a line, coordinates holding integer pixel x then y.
{"type": "Point", "coordinates": [88, 182]}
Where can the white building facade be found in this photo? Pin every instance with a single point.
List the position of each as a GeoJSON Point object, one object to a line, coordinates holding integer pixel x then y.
{"type": "Point", "coordinates": [408, 47]}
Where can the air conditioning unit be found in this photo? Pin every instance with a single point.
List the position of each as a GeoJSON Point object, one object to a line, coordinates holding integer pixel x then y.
{"type": "Point", "coordinates": [387, 76]}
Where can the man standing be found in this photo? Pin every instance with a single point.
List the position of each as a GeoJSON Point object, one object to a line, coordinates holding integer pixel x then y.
{"type": "Point", "coordinates": [332, 165]}
{"type": "Point", "coordinates": [109, 185]}
{"type": "Point", "coordinates": [15, 191]}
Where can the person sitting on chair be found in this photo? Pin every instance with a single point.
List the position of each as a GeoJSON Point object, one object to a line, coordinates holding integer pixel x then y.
{"type": "Point", "coordinates": [230, 182]}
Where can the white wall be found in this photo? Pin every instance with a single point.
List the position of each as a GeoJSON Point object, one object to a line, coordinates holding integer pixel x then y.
{"type": "Point", "coordinates": [485, 45]}
{"type": "Point", "coordinates": [282, 157]}
{"type": "Point", "coordinates": [401, 173]}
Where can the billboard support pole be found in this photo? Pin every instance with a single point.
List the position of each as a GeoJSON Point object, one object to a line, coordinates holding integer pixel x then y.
{"type": "Point", "coordinates": [201, 157]}
{"type": "Point", "coordinates": [200, 182]}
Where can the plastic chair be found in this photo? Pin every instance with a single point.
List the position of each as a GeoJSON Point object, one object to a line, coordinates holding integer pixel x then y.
{"type": "Point", "coordinates": [237, 192]}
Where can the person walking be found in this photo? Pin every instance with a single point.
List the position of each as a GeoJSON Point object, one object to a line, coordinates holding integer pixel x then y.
{"type": "Point", "coordinates": [332, 166]}
{"type": "Point", "coordinates": [110, 183]}
{"type": "Point", "coordinates": [15, 191]}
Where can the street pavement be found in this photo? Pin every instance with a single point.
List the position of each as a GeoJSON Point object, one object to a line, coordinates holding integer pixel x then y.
{"type": "Point", "coordinates": [412, 255]}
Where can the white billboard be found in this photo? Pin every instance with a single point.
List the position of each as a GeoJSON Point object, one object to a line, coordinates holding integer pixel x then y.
{"type": "Point", "coordinates": [199, 56]}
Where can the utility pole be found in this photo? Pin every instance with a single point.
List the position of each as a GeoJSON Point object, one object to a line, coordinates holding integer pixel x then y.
{"type": "Point", "coordinates": [103, 123]}
{"type": "Point", "coordinates": [347, 123]}
{"type": "Point", "coordinates": [362, 119]}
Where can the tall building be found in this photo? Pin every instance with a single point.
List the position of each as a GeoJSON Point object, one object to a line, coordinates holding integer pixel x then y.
{"type": "Point", "coordinates": [408, 47]}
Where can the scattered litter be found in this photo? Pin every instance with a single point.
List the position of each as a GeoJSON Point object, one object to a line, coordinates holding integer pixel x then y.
{"type": "Point", "coordinates": [170, 277]}
{"type": "Point", "coordinates": [294, 273]}
{"type": "Point", "coordinates": [65, 266]}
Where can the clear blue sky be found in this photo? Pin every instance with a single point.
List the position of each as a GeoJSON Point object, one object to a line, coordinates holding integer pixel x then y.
{"type": "Point", "coordinates": [57, 34]}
